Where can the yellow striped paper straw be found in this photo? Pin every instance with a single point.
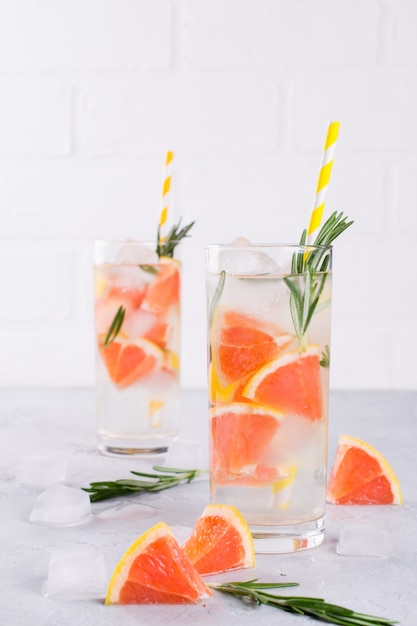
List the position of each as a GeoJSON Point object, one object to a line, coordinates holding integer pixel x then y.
{"type": "Point", "coordinates": [323, 180]}
{"type": "Point", "coordinates": [166, 187]}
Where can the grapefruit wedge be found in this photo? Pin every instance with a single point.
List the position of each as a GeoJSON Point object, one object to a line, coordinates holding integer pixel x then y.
{"type": "Point", "coordinates": [127, 361]}
{"type": "Point", "coordinates": [241, 435]}
{"type": "Point", "coordinates": [242, 350]}
{"type": "Point", "coordinates": [221, 540]}
{"type": "Point", "coordinates": [241, 345]}
{"type": "Point", "coordinates": [361, 475]}
{"type": "Point", "coordinates": [290, 383]}
{"type": "Point", "coordinates": [155, 570]}
{"type": "Point", "coordinates": [165, 290]}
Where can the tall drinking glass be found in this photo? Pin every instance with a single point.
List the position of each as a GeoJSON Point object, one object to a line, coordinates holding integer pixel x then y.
{"type": "Point", "coordinates": [137, 325]}
{"type": "Point", "coordinates": [268, 380]}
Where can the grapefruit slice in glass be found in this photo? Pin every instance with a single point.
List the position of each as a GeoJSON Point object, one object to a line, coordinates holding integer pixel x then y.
{"type": "Point", "coordinates": [165, 289]}
{"type": "Point", "coordinates": [155, 570]}
{"type": "Point", "coordinates": [220, 541]}
{"type": "Point", "coordinates": [241, 435]}
{"type": "Point", "coordinates": [361, 475]}
{"type": "Point", "coordinates": [289, 383]}
{"type": "Point", "coordinates": [126, 362]}
{"type": "Point", "coordinates": [240, 345]}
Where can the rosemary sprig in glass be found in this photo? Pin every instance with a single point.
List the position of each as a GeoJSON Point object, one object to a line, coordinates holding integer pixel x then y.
{"type": "Point", "coordinates": [217, 295]}
{"type": "Point", "coordinates": [317, 608]}
{"type": "Point", "coordinates": [313, 266]}
{"type": "Point", "coordinates": [165, 246]}
{"type": "Point", "coordinates": [166, 478]}
{"type": "Point", "coordinates": [115, 326]}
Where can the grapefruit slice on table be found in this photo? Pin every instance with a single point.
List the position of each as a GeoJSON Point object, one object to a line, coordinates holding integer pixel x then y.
{"type": "Point", "coordinates": [126, 362]}
{"type": "Point", "coordinates": [361, 475]}
{"type": "Point", "coordinates": [221, 540]}
{"type": "Point", "coordinates": [290, 383]}
{"type": "Point", "coordinates": [240, 438]}
{"type": "Point", "coordinates": [155, 570]}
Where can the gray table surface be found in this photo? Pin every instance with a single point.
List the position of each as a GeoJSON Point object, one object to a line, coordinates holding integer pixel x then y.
{"type": "Point", "coordinates": [42, 422]}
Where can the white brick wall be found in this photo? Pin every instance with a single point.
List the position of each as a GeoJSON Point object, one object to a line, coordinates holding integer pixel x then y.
{"type": "Point", "coordinates": [92, 93]}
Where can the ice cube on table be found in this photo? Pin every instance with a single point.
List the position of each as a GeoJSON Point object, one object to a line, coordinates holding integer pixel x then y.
{"type": "Point", "coordinates": [77, 572]}
{"type": "Point", "coordinates": [38, 471]}
{"type": "Point", "coordinates": [364, 538]}
{"type": "Point", "coordinates": [60, 505]}
{"type": "Point", "coordinates": [134, 253]}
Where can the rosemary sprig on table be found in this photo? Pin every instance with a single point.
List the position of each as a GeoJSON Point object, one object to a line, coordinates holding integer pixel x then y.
{"type": "Point", "coordinates": [313, 265]}
{"type": "Point", "coordinates": [115, 326]}
{"type": "Point", "coordinates": [165, 246]}
{"type": "Point", "coordinates": [166, 478]}
{"type": "Point", "coordinates": [317, 608]}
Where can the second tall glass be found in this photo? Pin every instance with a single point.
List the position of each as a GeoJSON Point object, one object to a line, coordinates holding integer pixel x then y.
{"type": "Point", "coordinates": [268, 379]}
{"type": "Point", "coordinates": [137, 322]}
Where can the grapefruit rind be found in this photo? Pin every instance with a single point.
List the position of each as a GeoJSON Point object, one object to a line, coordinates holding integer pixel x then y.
{"type": "Point", "coordinates": [335, 493]}
{"type": "Point", "coordinates": [198, 589]}
{"type": "Point", "coordinates": [209, 553]}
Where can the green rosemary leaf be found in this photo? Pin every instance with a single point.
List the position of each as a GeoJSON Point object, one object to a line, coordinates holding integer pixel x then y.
{"type": "Point", "coordinates": [307, 303]}
{"type": "Point", "coordinates": [316, 608]}
{"type": "Point", "coordinates": [166, 246]}
{"type": "Point", "coordinates": [298, 258]}
{"type": "Point", "coordinates": [296, 318]}
{"type": "Point", "coordinates": [115, 326]}
{"type": "Point", "coordinates": [296, 307]}
{"type": "Point", "coordinates": [217, 295]}
{"type": "Point", "coordinates": [313, 265]}
{"type": "Point", "coordinates": [325, 357]}
{"type": "Point", "coordinates": [166, 478]}
{"type": "Point", "coordinates": [151, 269]}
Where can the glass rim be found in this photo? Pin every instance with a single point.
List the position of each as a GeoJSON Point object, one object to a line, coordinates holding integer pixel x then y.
{"type": "Point", "coordinates": [251, 246]}
{"type": "Point", "coordinates": [124, 242]}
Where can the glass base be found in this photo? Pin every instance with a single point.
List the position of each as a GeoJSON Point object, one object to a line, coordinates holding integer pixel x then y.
{"type": "Point", "coordinates": [290, 538]}
{"type": "Point", "coordinates": [132, 448]}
